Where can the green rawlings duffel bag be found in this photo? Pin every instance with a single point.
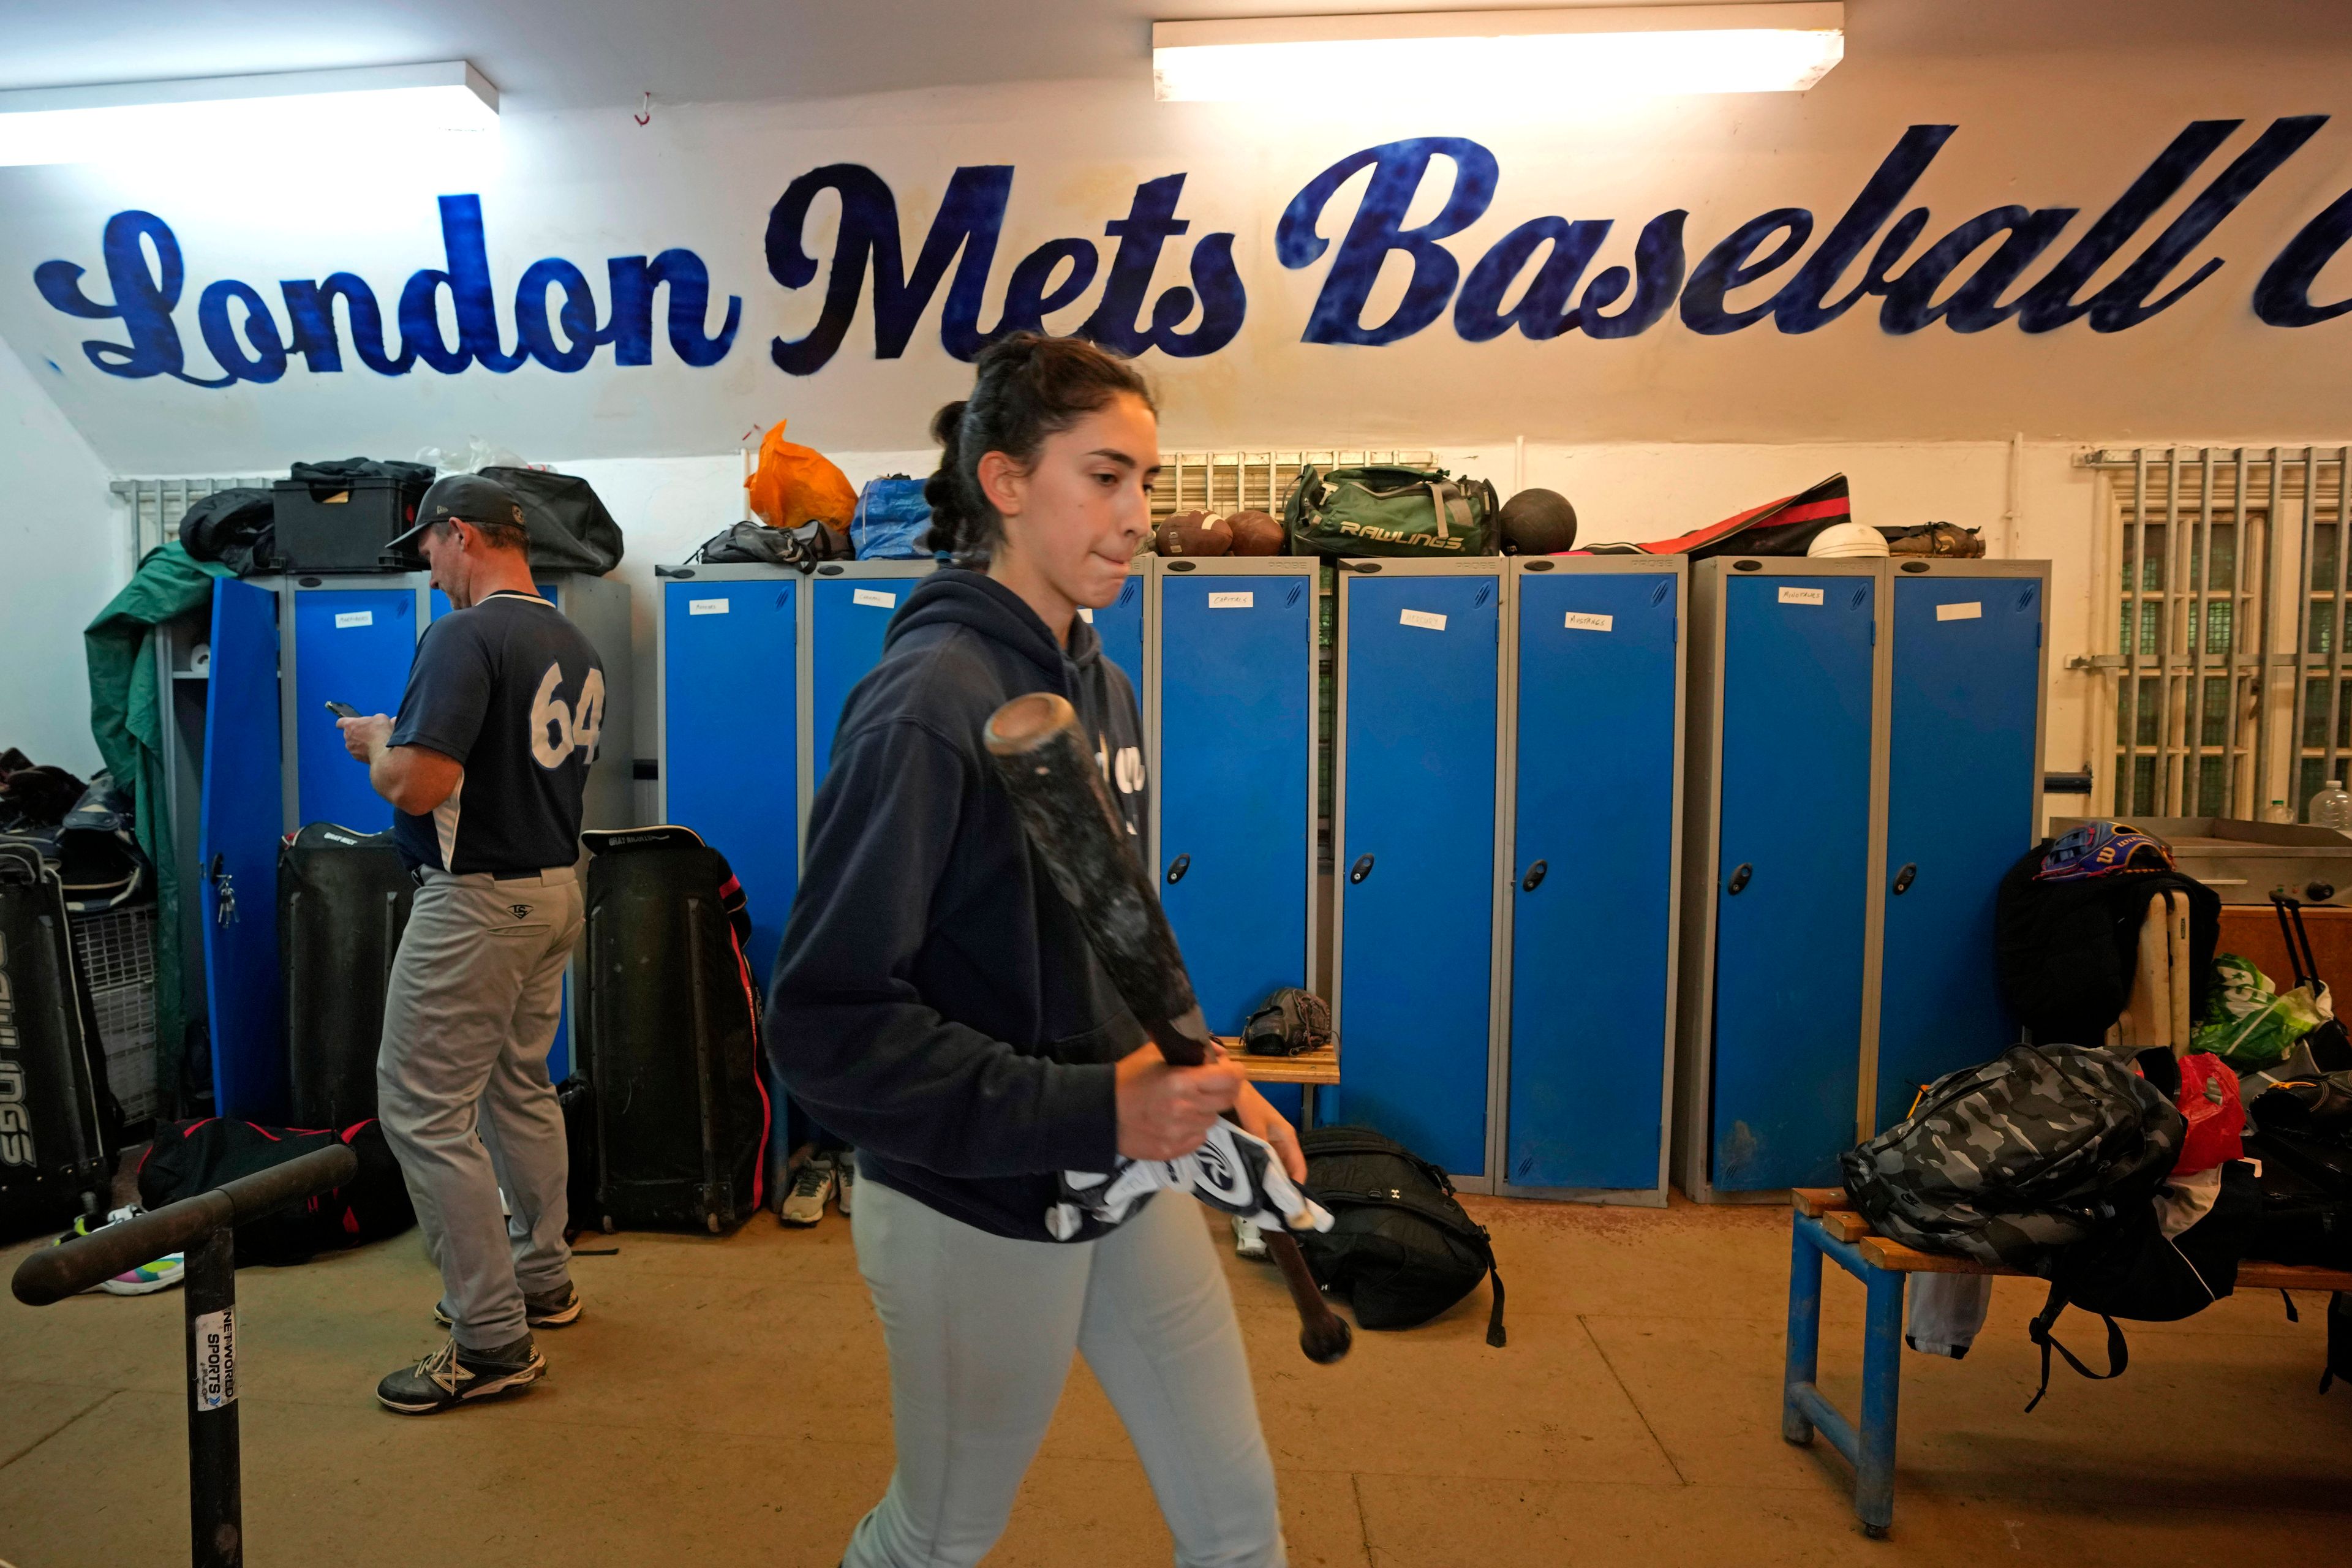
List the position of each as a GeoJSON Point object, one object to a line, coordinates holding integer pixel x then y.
{"type": "Point", "coordinates": [1385, 510]}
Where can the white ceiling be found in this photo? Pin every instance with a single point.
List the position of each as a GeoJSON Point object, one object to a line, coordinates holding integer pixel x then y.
{"type": "Point", "coordinates": [568, 53]}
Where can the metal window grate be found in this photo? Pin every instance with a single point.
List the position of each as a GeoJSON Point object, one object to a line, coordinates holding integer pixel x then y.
{"type": "Point", "coordinates": [2230, 680]}
{"type": "Point", "coordinates": [116, 953]}
{"type": "Point", "coordinates": [1236, 481]}
{"type": "Point", "coordinates": [157, 505]}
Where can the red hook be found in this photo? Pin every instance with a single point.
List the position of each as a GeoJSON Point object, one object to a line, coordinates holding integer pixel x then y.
{"type": "Point", "coordinates": [647, 117]}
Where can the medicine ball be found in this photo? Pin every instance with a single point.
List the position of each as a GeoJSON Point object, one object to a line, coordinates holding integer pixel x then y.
{"type": "Point", "coordinates": [1538, 522]}
{"type": "Point", "coordinates": [1255, 534]}
{"type": "Point", "coordinates": [1195, 533]}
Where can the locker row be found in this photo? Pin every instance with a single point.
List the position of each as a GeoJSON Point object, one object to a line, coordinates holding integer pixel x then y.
{"type": "Point", "coordinates": [1631, 866]}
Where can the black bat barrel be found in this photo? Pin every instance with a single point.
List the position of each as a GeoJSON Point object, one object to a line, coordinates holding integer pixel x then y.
{"type": "Point", "coordinates": [1055, 785]}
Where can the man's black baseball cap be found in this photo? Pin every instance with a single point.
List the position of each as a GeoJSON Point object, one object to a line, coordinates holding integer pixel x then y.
{"type": "Point", "coordinates": [466, 498]}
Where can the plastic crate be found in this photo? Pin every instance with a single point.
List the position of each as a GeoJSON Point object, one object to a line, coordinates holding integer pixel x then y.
{"type": "Point", "coordinates": [116, 953]}
{"type": "Point", "coordinates": [342, 526]}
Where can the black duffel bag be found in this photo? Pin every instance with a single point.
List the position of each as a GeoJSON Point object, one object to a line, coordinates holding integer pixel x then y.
{"type": "Point", "coordinates": [192, 1157]}
{"type": "Point", "coordinates": [565, 524]}
{"type": "Point", "coordinates": [1401, 1250]}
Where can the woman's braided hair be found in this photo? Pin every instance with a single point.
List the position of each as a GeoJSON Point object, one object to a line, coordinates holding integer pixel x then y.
{"type": "Point", "coordinates": [1028, 387]}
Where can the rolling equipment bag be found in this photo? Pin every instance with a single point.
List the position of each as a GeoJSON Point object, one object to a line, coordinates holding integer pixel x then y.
{"type": "Point", "coordinates": [58, 1123]}
{"type": "Point", "coordinates": [670, 1037]}
{"type": "Point", "coordinates": [342, 901]}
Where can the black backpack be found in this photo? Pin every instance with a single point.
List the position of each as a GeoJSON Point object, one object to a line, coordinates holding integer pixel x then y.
{"type": "Point", "coordinates": [1401, 1250]}
{"type": "Point", "coordinates": [192, 1157]}
{"type": "Point", "coordinates": [2066, 952]}
{"type": "Point", "coordinates": [757, 545]}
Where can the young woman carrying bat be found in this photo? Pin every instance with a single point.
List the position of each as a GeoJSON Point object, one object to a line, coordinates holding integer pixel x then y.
{"type": "Point", "coordinates": [937, 1004]}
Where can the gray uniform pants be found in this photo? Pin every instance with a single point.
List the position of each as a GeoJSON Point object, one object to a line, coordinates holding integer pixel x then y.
{"type": "Point", "coordinates": [980, 1329]}
{"type": "Point", "coordinates": [462, 1085]}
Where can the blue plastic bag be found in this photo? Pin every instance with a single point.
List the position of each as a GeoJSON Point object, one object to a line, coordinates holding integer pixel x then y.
{"type": "Point", "coordinates": [893, 523]}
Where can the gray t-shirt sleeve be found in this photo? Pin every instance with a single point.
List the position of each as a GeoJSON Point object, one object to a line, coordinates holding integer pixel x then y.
{"type": "Point", "coordinates": [449, 693]}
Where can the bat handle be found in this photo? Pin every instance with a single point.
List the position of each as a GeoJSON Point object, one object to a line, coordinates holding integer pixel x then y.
{"type": "Point", "coordinates": [1323, 1334]}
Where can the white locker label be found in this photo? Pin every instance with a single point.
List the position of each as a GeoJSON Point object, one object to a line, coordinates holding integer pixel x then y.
{"type": "Point", "coordinates": [1085, 614]}
{"type": "Point", "coordinates": [1801, 596]}
{"type": "Point", "coordinates": [706, 607]}
{"type": "Point", "coordinates": [1232, 601]}
{"type": "Point", "coordinates": [1579, 621]}
{"type": "Point", "coordinates": [1428, 621]}
{"type": "Point", "coordinates": [874, 596]}
{"type": "Point", "coordinates": [215, 1359]}
{"type": "Point", "coordinates": [1971, 611]}
{"type": "Point", "coordinates": [355, 618]}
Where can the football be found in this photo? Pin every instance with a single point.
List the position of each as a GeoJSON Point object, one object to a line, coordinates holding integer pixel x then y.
{"type": "Point", "coordinates": [1195, 533]}
{"type": "Point", "coordinates": [1255, 534]}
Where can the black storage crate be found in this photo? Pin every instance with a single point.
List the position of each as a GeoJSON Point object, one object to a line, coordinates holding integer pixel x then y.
{"type": "Point", "coordinates": [342, 525]}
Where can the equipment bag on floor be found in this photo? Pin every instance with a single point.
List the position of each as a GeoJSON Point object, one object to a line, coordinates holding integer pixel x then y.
{"type": "Point", "coordinates": [192, 1157]}
{"type": "Point", "coordinates": [342, 901]}
{"type": "Point", "coordinates": [1382, 511]}
{"type": "Point", "coordinates": [1400, 1248]}
{"type": "Point", "coordinates": [59, 1122]}
{"type": "Point", "coordinates": [670, 1035]}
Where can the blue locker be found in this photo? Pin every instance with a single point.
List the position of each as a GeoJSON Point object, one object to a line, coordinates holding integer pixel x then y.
{"type": "Point", "coordinates": [1120, 625]}
{"type": "Point", "coordinates": [1963, 802]}
{"type": "Point", "coordinates": [1596, 770]}
{"type": "Point", "coordinates": [850, 610]}
{"type": "Point", "coordinates": [351, 644]}
{"type": "Point", "coordinates": [1789, 802]}
{"type": "Point", "coordinates": [729, 730]}
{"type": "Point", "coordinates": [1419, 718]}
{"type": "Point", "coordinates": [1234, 802]}
{"type": "Point", "coordinates": [239, 823]}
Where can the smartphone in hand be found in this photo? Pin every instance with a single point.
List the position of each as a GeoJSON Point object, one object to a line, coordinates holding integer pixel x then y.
{"type": "Point", "coordinates": [342, 711]}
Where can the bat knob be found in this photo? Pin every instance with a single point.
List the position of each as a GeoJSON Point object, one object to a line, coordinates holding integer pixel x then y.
{"type": "Point", "coordinates": [1325, 1341]}
{"type": "Point", "coordinates": [1025, 723]}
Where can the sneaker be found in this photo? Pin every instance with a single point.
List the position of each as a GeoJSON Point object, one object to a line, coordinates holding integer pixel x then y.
{"type": "Point", "coordinates": [1248, 1240]}
{"type": "Point", "coordinates": [804, 1204]}
{"type": "Point", "coordinates": [551, 1310]}
{"type": "Point", "coordinates": [454, 1375]}
{"type": "Point", "coordinates": [160, 1275]}
{"type": "Point", "coordinates": [844, 1180]}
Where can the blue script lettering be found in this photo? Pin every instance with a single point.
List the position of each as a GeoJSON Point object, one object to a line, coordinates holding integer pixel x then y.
{"type": "Point", "coordinates": [249, 344]}
{"type": "Point", "coordinates": [964, 233]}
{"type": "Point", "coordinates": [2282, 298]}
{"type": "Point", "coordinates": [1378, 229]}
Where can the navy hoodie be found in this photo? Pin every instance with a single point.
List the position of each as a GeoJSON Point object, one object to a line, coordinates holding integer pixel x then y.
{"type": "Point", "coordinates": [935, 1002]}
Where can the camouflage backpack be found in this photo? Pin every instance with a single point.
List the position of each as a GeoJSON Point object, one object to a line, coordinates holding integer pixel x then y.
{"type": "Point", "coordinates": [2010, 1162]}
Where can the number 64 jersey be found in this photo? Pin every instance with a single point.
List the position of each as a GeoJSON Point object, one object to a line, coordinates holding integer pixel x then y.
{"type": "Point", "coordinates": [511, 690]}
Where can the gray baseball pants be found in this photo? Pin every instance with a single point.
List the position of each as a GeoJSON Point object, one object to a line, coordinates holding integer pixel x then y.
{"type": "Point", "coordinates": [981, 1328]}
{"type": "Point", "coordinates": [462, 1086]}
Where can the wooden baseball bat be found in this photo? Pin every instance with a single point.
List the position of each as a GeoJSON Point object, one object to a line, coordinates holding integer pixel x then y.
{"type": "Point", "coordinates": [1058, 790]}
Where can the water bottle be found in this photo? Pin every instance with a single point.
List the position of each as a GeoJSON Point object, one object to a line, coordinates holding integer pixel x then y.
{"type": "Point", "coordinates": [2331, 807]}
{"type": "Point", "coordinates": [2278, 810]}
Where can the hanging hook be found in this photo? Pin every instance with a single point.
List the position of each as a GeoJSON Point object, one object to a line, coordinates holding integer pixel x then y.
{"type": "Point", "coordinates": [646, 118]}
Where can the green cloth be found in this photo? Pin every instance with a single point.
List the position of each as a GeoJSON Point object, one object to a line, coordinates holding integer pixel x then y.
{"type": "Point", "coordinates": [127, 711]}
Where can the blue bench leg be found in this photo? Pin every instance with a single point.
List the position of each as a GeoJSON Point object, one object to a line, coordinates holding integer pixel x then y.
{"type": "Point", "coordinates": [1804, 1335]}
{"type": "Point", "coordinates": [1881, 1379]}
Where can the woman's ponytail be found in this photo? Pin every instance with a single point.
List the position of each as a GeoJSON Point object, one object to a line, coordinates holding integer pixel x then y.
{"type": "Point", "coordinates": [1027, 387]}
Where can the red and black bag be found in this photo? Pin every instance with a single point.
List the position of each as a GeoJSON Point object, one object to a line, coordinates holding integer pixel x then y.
{"type": "Point", "coordinates": [1783, 527]}
{"type": "Point", "coordinates": [192, 1157]}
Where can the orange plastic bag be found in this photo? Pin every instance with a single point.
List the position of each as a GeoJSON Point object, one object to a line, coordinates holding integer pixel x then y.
{"type": "Point", "coordinates": [795, 485]}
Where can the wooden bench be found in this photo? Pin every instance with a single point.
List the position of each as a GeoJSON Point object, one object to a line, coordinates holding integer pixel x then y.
{"type": "Point", "coordinates": [1826, 1225]}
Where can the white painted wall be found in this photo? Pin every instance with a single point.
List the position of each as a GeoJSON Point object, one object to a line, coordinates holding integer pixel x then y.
{"type": "Point", "coordinates": [64, 552]}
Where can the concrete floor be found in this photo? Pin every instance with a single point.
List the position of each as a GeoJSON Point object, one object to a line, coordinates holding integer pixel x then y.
{"type": "Point", "coordinates": [726, 1402]}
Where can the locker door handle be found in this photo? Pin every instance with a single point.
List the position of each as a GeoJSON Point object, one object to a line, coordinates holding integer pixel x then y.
{"type": "Point", "coordinates": [1534, 878]}
{"type": "Point", "coordinates": [1359, 870]}
{"type": "Point", "coordinates": [1904, 877]}
{"type": "Point", "coordinates": [1177, 867]}
{"type": "Point", "coordinates": [1739, 876]}
{"type": "Point", "coordinates": [224, 893]}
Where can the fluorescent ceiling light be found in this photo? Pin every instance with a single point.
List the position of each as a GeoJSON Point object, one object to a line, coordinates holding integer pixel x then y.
{"type": "Point", "coordinates": [365, 113]}
{"type": "Point", "coordinates": [1568, 56]}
